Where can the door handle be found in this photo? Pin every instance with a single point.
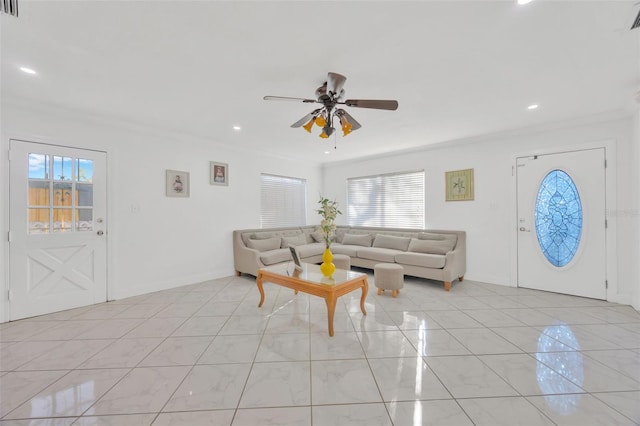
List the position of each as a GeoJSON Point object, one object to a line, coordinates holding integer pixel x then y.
{"type": "Point", "coordinates": [100, 232]}
{"type": "Point", "coordinates": [523, 229]}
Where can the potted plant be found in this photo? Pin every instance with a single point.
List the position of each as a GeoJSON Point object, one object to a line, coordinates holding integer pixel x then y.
{"type": "Point", "coordinates": [329, 211]}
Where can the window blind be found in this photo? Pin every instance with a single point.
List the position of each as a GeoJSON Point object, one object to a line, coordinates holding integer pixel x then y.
{"type": "Point", "coordinates": [283, 201]}
{"type": "Point", "coordinates": [391, 200]}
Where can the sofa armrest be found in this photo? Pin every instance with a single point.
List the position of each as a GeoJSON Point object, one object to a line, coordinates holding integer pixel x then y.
{"type": "Point", "coordinates": [245, 259]}
{"type": "Point", "coordinates": [455, 264]}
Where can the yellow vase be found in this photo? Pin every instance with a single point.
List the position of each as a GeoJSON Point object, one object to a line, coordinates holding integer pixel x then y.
{"type": "Point", "coordinates": [327, 267]}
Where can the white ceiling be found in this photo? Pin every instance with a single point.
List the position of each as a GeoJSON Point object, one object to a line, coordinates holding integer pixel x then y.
{"type": "Point", "coordinates": [458, 68]}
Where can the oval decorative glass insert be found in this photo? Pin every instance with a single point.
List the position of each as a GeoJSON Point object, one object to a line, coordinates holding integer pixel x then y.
{"type": "Point", "coordinates": [558, 218]}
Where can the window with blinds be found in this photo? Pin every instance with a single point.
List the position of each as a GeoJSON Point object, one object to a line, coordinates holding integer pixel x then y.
{"type": "Point", "coordinates": [283, 201]}
{"type": "Point", "coordinates": [393, 200]}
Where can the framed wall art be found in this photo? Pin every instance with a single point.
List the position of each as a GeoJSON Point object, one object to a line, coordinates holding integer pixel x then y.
{"type": "Point", "coordinates": [177, 184]}
{"type": "Point", "coordinates": [219, 173]}
{"type": "Point", "coordinates": [459, 185]}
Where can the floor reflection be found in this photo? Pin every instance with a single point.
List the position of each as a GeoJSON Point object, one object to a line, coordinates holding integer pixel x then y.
{"type": "Point", "coordinates": [64, 401]}
{"type": "Point", "coordinates": [568, 363]}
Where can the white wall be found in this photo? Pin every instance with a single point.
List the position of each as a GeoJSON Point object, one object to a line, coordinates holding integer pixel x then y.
{"type": "Point", "coordinates": [168, 242]}
{"type": "Point", "coordinates": [634, 213]}
{"type": "Point", "coordinates": [174, 241]}
{"type": "Point", "coordinates": [490, 219]}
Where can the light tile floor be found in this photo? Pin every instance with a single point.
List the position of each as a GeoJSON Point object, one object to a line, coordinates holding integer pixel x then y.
{"type": "Point", "coordinates": [205, 354]}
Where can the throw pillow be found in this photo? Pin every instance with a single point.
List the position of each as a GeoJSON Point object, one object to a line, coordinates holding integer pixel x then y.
{"type": "Point", "coordinates": [357, 240]}
{"type": "Point", "coordinates": [431, 246]}
{"type": "Point", "coordinates": [264, 245]}
{"type": "Point", "coordinates": [391, 242]}
{"type": "Point", "coordinates": [317, 237]}
{"type": "Point", "coordinates": [296, 240]}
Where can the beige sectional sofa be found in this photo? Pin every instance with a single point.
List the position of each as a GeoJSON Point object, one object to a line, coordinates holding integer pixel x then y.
{"type": "Point", "coordinates": [432, 254]}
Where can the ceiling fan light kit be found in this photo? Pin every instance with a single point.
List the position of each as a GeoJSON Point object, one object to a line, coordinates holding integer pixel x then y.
{"type": "Point", "coordinates": [330, 94]}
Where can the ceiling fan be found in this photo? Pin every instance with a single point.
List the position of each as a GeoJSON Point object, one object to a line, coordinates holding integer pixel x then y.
{"type": "Point", "coordinates": [330, 95]}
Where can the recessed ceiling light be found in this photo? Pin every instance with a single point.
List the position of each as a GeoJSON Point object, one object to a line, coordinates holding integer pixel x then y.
{"type": "Point", "coordinates": [237, 128]}
{"type": "Point", "coordinates": [534, 106]}
{"type": "Point", "coordinates": [524, 1]}
{"type": "Point", "coordinates": [327, 152]}
{"type": "Point", "coordinates": [27, 70]}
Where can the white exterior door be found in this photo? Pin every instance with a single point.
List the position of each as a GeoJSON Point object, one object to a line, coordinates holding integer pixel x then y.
{"type": "Point", "coordinates": [561, 223]}
{"type": "Point", "coordinates": [58, 225]}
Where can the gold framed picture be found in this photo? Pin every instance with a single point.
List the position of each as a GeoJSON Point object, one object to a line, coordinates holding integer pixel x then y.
{"type": "Point", "coordinates": [459, 185]}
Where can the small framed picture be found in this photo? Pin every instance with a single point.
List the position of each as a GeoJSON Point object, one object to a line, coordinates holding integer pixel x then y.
{"type": "Point", "coordinates": [219, 173]}
{"type": "Point", "coordinates": [296, 258]}
{"type": "Point", "coordinates": [177, 184]}
{"type": "Point", "coordinates": [459, 185]}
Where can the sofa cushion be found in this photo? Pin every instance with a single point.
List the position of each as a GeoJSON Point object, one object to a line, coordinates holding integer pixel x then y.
{"type": "Point", "coordinates": [391, 242]}
{"type": "Point", "coordinates": [357, 240]}
{"type": "Point", "coordinates": [262, 236]}
{"type": "Point", "coordinates": [308, 237]}
{"type": "Point", "coordinates": [319, 238]}
{"type": "Point", "coordinates": [296, 240]}
{"type": "Point", "coordinates": [309, 250]}
{"type": "Point", "coordinates": [379, 254]}
{"type": "Point", "coordinates": [436, 261]}
{"type": "Point", "coordinates": [438, 237]}
{"type": "Point", "coordinates": [272, 257]}
{"type": "Point", "coordinates": [264, 245]}
{"type": "Point", "coordinates": [340, 233]}
{"type": "Point", "coordinates": [431, 246]}
{"type": "Point", "coordinates": [351, 251]}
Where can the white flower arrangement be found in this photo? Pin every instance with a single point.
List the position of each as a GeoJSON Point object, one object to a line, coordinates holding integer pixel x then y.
{"type": "Point", "coordinates": [329, 211]}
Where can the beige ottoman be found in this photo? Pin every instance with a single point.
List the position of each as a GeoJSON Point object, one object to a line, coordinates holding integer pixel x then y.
{"type": "Point", "coordinates": [342, 261]}
{"type": "Point", "coordinates": [388, 276]}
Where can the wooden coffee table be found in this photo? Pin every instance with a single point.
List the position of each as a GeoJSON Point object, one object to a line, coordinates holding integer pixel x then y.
{"type": "Point", "coordinates": [311, 281]}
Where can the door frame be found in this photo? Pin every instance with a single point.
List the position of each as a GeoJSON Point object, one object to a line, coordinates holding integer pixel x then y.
{"type": "Point", "coordinates": [5, 283]}
{"type": "Point", "coordinates": [611, 266]}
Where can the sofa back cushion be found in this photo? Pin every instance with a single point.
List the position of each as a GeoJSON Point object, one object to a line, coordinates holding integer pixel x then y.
{"type": "Point", "coordinates": [265, 244]}
{"type": "Point", "coordinates": [296, 240]}
{"type": "Point", "coordinates": [357, 240]}
{"type": "Point", "coordinates": [442, 246]}
{"type": "Point", "coordinates": [340, 233]}
{"type": "Point", "coordinates": [391, 242]}
{"type": "Point", "coordinates": [439, 237]}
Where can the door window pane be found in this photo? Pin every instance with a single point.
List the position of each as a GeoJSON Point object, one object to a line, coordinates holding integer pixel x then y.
{"type": "Point", "coordinates": [84, 193]}
{"type": "Point", "coordinates": [84, 220]}
{"type": "Point", "coordinates": [558, 218]}
{"type": "Point", "coordinates": [39, 193]}
{"type": "Point", "coordinates": [85, 170]}
{"type": "Point", "coordinates": [38, 166]}
{"type": "Point", "coordinates": [38, 221]}
{"type": "Point", "coordinates": [62, 194]}
{"type": "Point", "coordinates": [62, 168]}
{"type": "Point", "coordinates": [62, 220]}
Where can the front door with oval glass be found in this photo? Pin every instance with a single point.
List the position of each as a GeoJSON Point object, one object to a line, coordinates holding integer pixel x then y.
{"type": "Point", "coordinates": [561, 223]}
{"type": "Point", "coordinates": [57, 224]}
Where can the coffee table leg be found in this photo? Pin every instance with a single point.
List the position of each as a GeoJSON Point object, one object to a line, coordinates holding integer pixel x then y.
{"type": "Point", "coordinates": [331, 309]}
{"type": "Point", "coordinates": [259, 283]}
{"type": "Point", "coordinates": [365, 290]}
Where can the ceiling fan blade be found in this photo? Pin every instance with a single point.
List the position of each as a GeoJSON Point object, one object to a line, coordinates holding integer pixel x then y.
{"type": "Point", "coordinates": [287, 98]}
{"type": "Point", "coordinates": [354, 124]}
{"type": "Point", "coordinates": [335, 82]}
{"type": "Point", "coordinates": [372, 103]}
{"type": "Point", "coordinates": [306, 118]}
